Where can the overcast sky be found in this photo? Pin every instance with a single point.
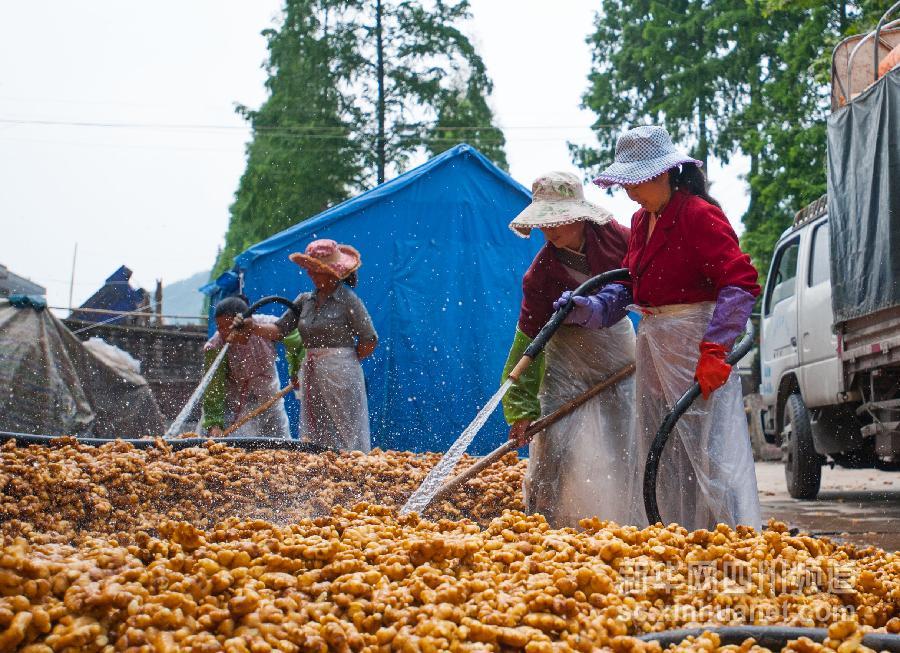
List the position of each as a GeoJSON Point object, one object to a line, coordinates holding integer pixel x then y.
{"type": "Point", "coordinates": [155, 195]}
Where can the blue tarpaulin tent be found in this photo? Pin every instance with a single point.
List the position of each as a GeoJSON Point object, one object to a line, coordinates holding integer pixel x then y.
{"type": "Point", "coordinates": [441, 277]}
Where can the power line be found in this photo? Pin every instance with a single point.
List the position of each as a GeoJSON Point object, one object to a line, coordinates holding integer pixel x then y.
{"type": "Point", "coordinates": [119, 314]}
{"type": "Point", "coordinates": [307, 130]}
{"type": "Point", "coordinates": [323, 139]}
{"type": "Point", "coordinates": [131, 146]}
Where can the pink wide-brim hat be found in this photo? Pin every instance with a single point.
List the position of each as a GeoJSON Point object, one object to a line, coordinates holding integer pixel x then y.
{"type": "Point", "coordinates": [329, 257]}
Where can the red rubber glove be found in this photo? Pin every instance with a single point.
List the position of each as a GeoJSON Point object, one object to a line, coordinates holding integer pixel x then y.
{"type": "Point", "coordinates": [712, 370]}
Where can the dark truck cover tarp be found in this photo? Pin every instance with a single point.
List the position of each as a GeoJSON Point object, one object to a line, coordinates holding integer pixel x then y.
{"type": "Point", "coordinates": [51, 384]}
{"type": "Point", "coordinates": [864, 201]}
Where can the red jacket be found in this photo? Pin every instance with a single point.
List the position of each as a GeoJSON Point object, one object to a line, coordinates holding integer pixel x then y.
{"type": "Point", "coordinates": [692, 254]}
{"type": "Point", "coordinates": [547, 279]}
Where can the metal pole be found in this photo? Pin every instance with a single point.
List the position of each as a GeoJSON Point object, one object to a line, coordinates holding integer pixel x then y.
{"type": "Point", "coordinates": [881, 25]}
{"type": "Point", "coordinates": [72, 277]}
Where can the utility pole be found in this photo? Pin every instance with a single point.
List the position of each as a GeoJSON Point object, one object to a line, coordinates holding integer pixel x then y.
{"type": "Point", "coordinates": [72, 277]}
{"type": "Point", "coordinates": [157, 300]}
{"type": "Point", "coordinates": [380, 146]}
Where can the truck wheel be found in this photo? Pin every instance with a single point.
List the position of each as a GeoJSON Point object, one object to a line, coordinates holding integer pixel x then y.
{"type": "Point", "coordinates": [802, 465]}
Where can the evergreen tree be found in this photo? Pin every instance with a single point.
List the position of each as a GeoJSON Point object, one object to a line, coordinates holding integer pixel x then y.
{"type": "Point", "coordinates": [302, 158]}
{"type": "Point", "coordinates": [355, 87]}
{"type": "Point", "coordinates": [726, 77]}
{"type": "Point", "coordinates": [790, 140]}
{"type": "Point", "coordinates": [401, 75]}
{"type": "Point", "coordinates": [654, 62]}
{"type": "Point", "coordinates": [464, 116]}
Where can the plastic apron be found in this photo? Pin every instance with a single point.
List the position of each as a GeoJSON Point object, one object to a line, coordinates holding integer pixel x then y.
{"type": "Point", "coordinates": [334, 411]}
{"type": "Point", "coordinates": [582, 465]}
{"type": "Point", "coordinates": [252, 381]}
{"type": "Point", "coordinates": [706, 473]}
{"type": "Point", "coordinates": [272, 423]}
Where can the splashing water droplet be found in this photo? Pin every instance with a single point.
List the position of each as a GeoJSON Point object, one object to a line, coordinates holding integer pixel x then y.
{"type": "Point", "coordinates": [436, 477]}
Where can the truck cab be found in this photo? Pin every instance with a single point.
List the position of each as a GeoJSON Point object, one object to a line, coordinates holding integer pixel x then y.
{"type": "Point", "coordinates": [799, 364]}
{"type": "Point", "coordinates": [830, 315]}
{"type": "Point", "coordinates": [823, 402]}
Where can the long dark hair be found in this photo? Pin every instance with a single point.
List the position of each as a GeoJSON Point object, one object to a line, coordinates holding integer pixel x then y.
{"type": "Point", "coordinates": [352, 279]}
{"type": "Point", "coordinates": [690, 178]}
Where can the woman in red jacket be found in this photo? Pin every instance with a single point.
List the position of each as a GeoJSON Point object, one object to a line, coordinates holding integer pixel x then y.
{"type": "Point", "coordinates": [696, 289]}
{"type": "Point", "coordinates": [582, 465]}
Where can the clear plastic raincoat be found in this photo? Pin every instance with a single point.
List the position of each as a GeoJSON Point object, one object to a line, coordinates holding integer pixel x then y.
{"type": "Point", "coordinates": [334, 411]}
{"type": "Point", "coordinates": [582, 466]}
{"type": "Point", "coordinates": [706, 474]}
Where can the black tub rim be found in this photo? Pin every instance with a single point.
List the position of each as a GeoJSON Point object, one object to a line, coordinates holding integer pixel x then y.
{"type": "Point", "coordinates": [768, 636]}
{"type": "Point", "coordinates": [176, 444]}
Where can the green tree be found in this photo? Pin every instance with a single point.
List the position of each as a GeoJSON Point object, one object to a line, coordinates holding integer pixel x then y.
{"type": "Point", "coordinates": [787, 134]}
{"type": "Point", "coordinates": [654, 61]}
{"type": "Point", "coordinates": [355, 87]}
{"type": "Point", "coordinates": [751, 42]}
{"type": "Point", "coordinates": [401, 77]}
{"type": "Point", "coordinates": [464, 115]}
{"type": "Point", "coordinates": [302, 157]}
{"type": "Point", "coordinates": [753, 81]}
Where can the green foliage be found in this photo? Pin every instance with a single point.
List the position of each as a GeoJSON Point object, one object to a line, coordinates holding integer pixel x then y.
{"type": "Point", "coordinates": [322, 134]}
{"type": "Point", "coordinates": [464, 116]}
{"type": "Point", "coordinates": [302, 158]}
{"type": "Point", "coordinates": [431, 77]}
{"type": "Point", "coordinates": [745, 76]}
{"type": "Point", "coordinates": [653, 62]}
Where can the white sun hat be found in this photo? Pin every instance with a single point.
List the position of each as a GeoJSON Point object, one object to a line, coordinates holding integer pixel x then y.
{"type": "Point", "coordinates": [557, 198]}
{"type": "Point", "coordinates": [642, 154]}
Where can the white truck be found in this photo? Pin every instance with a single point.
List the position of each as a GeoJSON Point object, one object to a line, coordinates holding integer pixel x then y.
{"type": "Point", "coordinates": [830, 314]}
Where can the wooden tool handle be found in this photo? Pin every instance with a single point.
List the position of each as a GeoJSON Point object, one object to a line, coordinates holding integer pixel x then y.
{"type": "Point", "coordinates": [475, 469]}
{"type": "Point", "coordinates": [520, 367]}
{"type": "Point", "coordinates": [539, 425]}
{"type": "Point", "coordinates": [259, 410]}
{"type": "Point", "coordinates": [535, 428]}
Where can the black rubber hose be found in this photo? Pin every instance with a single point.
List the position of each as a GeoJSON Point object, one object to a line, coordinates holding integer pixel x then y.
{"type": "Point", "coordinates": [774, 637]}
{"type": "Point", "coordinates": [272, 299]}
{"type": "Point", "coordinates": [177, 444]}
{"type": "Point", "coordinates": [662, 435]}
{"type": "Point", "coordinates": [588, 287]}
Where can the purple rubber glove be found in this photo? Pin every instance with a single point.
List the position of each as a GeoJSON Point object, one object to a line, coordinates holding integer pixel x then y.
{"type": "Point", "coordinates": [733, 308]}
{"type": "Point", "coordinates": [597, 311]}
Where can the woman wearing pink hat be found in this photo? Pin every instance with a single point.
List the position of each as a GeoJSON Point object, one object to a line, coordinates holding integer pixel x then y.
{"type": "Point", "coordinates": [338, 333]}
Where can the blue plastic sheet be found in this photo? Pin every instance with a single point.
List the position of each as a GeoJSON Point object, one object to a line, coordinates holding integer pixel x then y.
{"type": "Point", "coordinates": [441, 277]}
{"type": "Point", "coordinates": [28, 301]}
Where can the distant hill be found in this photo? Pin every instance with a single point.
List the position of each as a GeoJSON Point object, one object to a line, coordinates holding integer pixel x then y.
{"type": "Point", "coordinates": [183, 298]}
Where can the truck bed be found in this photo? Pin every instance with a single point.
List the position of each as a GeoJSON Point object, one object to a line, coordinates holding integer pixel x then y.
{"type": "Point", "coordinates": [869, 342]}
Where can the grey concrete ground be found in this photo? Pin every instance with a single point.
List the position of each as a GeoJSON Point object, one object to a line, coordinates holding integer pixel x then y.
{"type": "Point", "coordinates": [861, 506]}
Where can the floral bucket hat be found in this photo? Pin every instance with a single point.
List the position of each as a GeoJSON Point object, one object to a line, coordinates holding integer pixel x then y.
{"type": "Point", "coordinates": [557, 198]}
{"type": "Point", "coordinates": [327, 256]}
{"type": "Point", "coordinates": [642, 154]}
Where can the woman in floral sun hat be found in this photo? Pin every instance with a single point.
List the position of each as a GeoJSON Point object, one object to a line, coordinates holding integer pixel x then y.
{"type": "Point", "coordinates": [581, 466]}
{"type": "Point", "coordinates": [337, 333]}
{"type": "Point", "coordinates": [696, 289]}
